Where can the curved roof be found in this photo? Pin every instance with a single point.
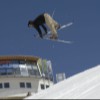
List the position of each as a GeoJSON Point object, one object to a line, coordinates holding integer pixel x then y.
{"type": "Point", "coordinates": [32, 58]}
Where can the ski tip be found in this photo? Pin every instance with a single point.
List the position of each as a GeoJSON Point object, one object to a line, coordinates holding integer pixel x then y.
{"type": "Point", "coordinates": [69, 24]}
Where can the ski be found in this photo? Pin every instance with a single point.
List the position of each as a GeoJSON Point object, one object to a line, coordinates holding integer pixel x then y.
{"type": "Point", "coordinates": [58, 40]}
{"type": "Point", "coordinates": [49, 32]}
{"type": "Point", "coordinates": [62, 27]}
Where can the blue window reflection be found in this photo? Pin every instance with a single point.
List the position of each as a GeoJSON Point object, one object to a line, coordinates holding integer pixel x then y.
{"type": "Point", "coordinates": [18, 68]}
{"type": "Point", "coordinates": [10, 71]}
{"type": "Point", "coordinates": [3, 71]}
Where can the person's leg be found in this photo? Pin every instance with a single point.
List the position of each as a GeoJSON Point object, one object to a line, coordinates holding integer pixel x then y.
{"type": "Point", "coordinates": [57, 26]}
{"type": "Point", "coordinates": [45, 29]}
{"type": "Point", "coordinates": [51, 25]}
{"type": "Point", "coordinates": [39, 31]}
{"type": "Point", "coordinates": [54, 32]}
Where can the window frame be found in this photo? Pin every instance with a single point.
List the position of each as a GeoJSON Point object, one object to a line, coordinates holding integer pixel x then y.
{"type": "Point", "coordinates": [28, 85]}
{"type": "Point", "coordinates": [6, 85]}
{"type": "Point", "coordinates": [42, 86]}
{"type": "Point", "coordinates": [22, 84]}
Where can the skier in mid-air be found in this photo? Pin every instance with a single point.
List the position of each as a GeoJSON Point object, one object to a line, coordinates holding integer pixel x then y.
{"type": "Point", "coordinates": [43, 19]}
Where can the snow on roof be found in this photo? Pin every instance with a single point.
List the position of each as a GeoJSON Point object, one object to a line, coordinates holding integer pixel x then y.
{"type": "Point", "coordinates": [85, 85]}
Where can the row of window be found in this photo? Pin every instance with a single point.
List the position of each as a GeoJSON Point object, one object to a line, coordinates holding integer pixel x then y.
{"type": "Point", "coordinates": [17, 69]}
{"type": "Point", "coordinates": [23, 68]}
{"type": "Point", "coordinates": [21, 84]}
{"type": "Point", "coordinates": [43, 86]}
{"type": "Point", "coordinates": [5, 85]}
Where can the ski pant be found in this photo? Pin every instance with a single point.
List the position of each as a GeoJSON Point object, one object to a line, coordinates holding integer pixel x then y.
{"type": "Point", "coordinates": [52, 24]}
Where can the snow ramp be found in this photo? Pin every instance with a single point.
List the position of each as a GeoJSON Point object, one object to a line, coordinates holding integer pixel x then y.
{"type": "Point", "coordinates": [84, 85]}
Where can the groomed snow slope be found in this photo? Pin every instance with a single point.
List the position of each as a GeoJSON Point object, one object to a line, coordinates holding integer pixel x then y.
{"type": "Point", "coordinates": [85, 85]}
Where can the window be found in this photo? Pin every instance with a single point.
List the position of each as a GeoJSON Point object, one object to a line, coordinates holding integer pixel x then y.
{"type": "Point", "coordinates": [17, 71]}
{"type": "Point", "coordinates": [22, 85]}
{"type": "Point", "coordinates": [30, 70]}
{"type": "Point", "coordinates": [6, 85]}
{"type": "Point", "coordinates": [1, 86]}
{"type": "Point", "coordinates": [23, 70]}
{"type": "Point", "coordinates": [35, 69]}
{"type": "Point", "coordinates": [28, 85]}
{"type": "Point", "coordinates": [47, 86]}
{"type": "Point", "coordinates": [42, 86]}
{"type": "Point", "coordinates": [9, 71]}
{"type": "Point", "coordinates": [3, 71]}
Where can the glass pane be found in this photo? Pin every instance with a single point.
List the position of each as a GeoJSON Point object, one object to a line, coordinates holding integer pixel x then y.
{"type": "Point", "coordinates": [23, 70]}
{"type": "Point", "coordinates": [29, 66]}
{"type": "Point", "coordinates": [10, 66]}
{"type": "Point", "coordinates": [3, 71]}
{"type": "Point", "coordinates": [28, 85]}
{"type": "Point", "coordinates": [42, 86]}
{"type": "Point", "coordinates": [47, 86]}
{"type": "Point", "coordinates": [35, 67]}
{"type": "Point", "coordinates": [22, 62]}
{"type": "Point", "coordinates": [15, 65]}
{"type": "Point", "coordinates": [1, 85]}
{"type": "Point", "coordinates": [30, 72]}
{"type": "Point", "coordinates": [5, 66]}
{"type": "Point", "coordinates": [22, 85]}
{"type": "Point", "coordinates": [17, 71]}
{"type": "Point", "coordinates": [9, 71]}
{"type": "Point", "coordinates": [6, 85]}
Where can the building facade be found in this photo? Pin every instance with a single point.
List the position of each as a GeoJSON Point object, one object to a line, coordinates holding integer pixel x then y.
{"type": "Point", "coordinates": [20, 75]}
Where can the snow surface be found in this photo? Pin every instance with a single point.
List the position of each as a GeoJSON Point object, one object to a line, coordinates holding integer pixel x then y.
{"type": "Point", "coordinates": [85, 85]}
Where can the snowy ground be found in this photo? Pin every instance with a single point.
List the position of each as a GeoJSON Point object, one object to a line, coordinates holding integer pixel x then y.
{"type": "Point", "coordinates": [85, 85]}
